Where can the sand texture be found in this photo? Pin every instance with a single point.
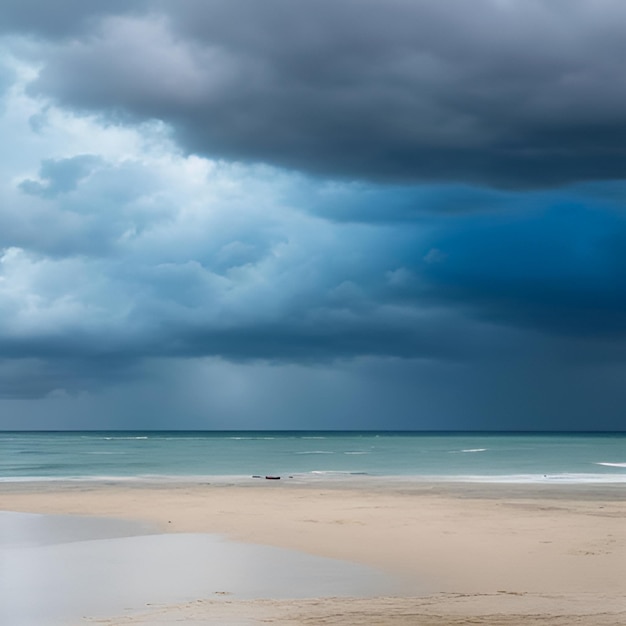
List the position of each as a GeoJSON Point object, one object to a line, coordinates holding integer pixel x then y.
{"type": "Point", "coordinates": [465, 554]}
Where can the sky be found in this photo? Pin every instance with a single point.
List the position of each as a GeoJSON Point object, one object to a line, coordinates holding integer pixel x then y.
{"type": "Point", "coordinates": [327, 214]}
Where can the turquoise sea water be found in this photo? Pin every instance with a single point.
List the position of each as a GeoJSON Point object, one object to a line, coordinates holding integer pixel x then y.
{"type": "Point", "coordinates": [524, 458]}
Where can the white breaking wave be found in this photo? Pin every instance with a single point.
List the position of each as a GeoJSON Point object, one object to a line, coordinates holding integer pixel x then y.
{"type": "Point", "coordinates": [123, 438]}
{"type": "Point", "coordinates": [337, 473]}
{"type": "Point", "coordinates": [247, 438]}
{"type": "Point", "coordinates": [572, 479]}
{"type": "Point", "coordinates": [565, 478]}
{"type": "Point", "coordinates": [613, 464]}
{"type": "Point", "coordinates": [316, 452]}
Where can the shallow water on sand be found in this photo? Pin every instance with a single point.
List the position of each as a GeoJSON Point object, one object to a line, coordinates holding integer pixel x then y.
{"type": "Point", "coordinates": [54, 570]}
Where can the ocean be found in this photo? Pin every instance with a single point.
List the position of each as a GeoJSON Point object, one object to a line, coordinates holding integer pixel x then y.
{"type": "Point", "coordinates": [313, 456]}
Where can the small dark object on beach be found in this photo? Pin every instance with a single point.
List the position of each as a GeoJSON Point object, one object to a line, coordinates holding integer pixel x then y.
{"type": "Point", "coordinates": [256, 476]}
{"type": "Point", "coordinates": [272, 478]}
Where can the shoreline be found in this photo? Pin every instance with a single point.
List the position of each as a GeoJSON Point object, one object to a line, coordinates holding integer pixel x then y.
{"type": "Point", "coordinates": [519, 550]}
{"type": "Point", "coordinates": [407, 485]}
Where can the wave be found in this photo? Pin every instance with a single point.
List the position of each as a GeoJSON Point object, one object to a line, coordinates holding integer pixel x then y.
{"type": "Point", "coordinates": [185, 438]}
{"type": "Point", "coordinates": [337, 473]}
{"type": "Point", "coordinates": [612, 464]}
{"type": "Point", "coordinates": [62, 479]}
{"type": "Point", "coordinates": [250, 438]}
{"type": "Point", "coordinates": [358, 452]}
{"type": "Point", "coordinates": [563, 478]}
{"type": "Point", "coordinates": [137, 478]}
{"type": "Point", "coordinates": [315, 452]}
{"type": "Point", "coordinates": [466, 450]}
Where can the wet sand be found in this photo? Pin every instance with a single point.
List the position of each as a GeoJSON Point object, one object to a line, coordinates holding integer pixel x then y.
{"type": "Point", "coordinates": [56, 569]}
{"type": "Point", "coordinates": [487, 554]}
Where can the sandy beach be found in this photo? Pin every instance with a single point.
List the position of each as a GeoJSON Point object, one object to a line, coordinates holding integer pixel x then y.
{"type": "Point", "coordinates": [466, 554]}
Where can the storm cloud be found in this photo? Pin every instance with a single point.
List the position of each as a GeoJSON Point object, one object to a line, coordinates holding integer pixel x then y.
{"type": "Point", "coordinates": [504, 94]}
{"type": "Point", "coordinates": [317, 214]}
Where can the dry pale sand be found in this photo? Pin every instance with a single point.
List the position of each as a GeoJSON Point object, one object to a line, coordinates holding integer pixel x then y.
{"type": "Point", "coordinates": [470, 554]}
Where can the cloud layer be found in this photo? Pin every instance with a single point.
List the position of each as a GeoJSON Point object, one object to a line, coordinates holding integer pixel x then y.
{"type": "Point", "coordinates": [509, 94]}
{"type": "Point", "coordinates": [386, 204]}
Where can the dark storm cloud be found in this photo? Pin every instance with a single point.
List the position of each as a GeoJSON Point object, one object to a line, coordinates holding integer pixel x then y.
{"type": "Point", "coordinates": [394, 273]}
{"type": "Point", "coordinates": [60, 18]}
{"type": "Point", "coordinates": [333, 334]}
{"type": "Point", "coordinates": [561, 270]}
{"type": "Point", "coordinates": [417, 204]}
{"type": "Point", "coordinates": [431, 282]}
{"type": "Point", "coordinates": [517, 93]}
{"type": "Point", "coordinates": [108, 355]}
{"type": "Point", "coordinates": [37, 377]}
{"type": "Point", "coordinates": [551, 261]}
